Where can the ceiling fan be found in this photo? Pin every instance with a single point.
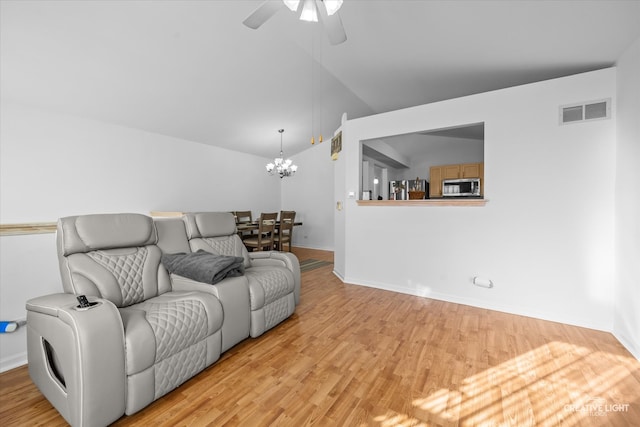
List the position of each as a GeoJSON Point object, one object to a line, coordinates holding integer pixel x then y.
{"type": "Point", "coordinates": [312, 10]}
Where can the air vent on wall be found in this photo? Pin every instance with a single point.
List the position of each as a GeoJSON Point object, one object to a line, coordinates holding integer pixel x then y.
{"type": "Point", "coordinates": [581, 112]}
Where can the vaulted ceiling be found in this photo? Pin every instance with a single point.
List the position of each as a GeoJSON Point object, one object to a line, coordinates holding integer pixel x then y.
{"type": "Point", "coordinates": [191, 70]}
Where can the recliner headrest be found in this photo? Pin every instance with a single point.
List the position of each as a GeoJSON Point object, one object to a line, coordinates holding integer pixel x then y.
{"type": "Point", "coordinates": [86, 233]}
{"type": "Point", "coordinates": [209, 224]}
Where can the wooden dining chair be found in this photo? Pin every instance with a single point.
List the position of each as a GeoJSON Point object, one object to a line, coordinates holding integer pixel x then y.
{"type": "Point", "coordinates": [266, 232]}
{"type": "Point", "coordinates": [284, 235]}
{"type": "Point", "coordinates": [244, 217]}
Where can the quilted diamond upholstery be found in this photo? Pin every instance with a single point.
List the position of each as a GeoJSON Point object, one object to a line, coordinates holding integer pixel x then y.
{"type": "Point", "coordinates": [223, 245]}
{"type": "Point", "coordinates": [274, 284]}
{"type": "Point", "coordinates": [272, 298]}
{"type": "Point", "coordinates": [173, 371]}
{"type": "Point", "coordinates": [176, 325]}
{"type": "Point", "coordinates": [127, 269]}
{"type": "Point", "coordinates": [278, 310]}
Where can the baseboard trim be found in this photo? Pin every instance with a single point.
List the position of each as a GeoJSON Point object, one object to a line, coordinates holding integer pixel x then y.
{"type": "Point", "coordinates": [12, 362]}
{"type": "Point", "coordinates": [296, 245]}
{"type": "Point", "coordinates": [338, 275]}
{"type": "Point", "coordinates": [628, 345]}
{"type": "Point", "coordinates": [519, 311]}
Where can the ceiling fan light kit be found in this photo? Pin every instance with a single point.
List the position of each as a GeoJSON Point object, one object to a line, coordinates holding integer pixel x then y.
{"type": "Point", "coordinates": [325, 11]}
{"type": "Point", "coordinates": [309, 12]}
{"type": "Point", "coordinates": [332, 6]}
{"type": "Point", "coordinates": [292, 4]}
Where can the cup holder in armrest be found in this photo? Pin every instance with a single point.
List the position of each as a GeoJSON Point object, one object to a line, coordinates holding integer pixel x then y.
{"type": "Point", "coordinates": [89, 307]}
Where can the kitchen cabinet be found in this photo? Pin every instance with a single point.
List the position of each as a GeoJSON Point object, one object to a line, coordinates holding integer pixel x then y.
{"type": "Point", "coordinates": [471, 170]}
{"type": "Point", "coordinates": [451, 171]}
{"type": "Point", "coordinates": [435, 181]}
{"type": "Point", "coordinates": [465, 170]}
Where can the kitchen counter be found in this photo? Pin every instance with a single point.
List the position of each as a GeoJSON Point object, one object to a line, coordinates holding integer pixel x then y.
{"type": "Point", "coordinates": [425, 202]}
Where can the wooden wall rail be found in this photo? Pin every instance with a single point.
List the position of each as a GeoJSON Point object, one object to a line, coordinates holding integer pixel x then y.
{"type": "Point", "coordinates": [27, 228]}
{"type": "Point", "coordinates": [50, 227]}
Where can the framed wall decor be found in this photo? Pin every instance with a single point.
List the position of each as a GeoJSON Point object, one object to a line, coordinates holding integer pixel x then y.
{"type": "Point", "coordinates": [336, 146]}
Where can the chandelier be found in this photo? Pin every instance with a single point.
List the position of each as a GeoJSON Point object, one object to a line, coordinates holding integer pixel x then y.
{"type": "Point", "coordinates": [280, 166]}
{"type": "Point", "coordinates": [309, 11]}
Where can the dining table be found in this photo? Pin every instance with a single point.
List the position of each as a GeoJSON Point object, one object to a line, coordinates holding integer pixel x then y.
{"type": "Point", "coordinates": [253, 225]}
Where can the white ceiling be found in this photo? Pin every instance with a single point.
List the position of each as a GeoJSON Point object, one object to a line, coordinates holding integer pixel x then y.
{"type": "Point", "coordinates": [191, 70]}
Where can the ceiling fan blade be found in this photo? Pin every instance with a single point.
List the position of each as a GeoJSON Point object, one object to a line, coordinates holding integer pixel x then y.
{"type": "Point", "coordinates": [332, 24]}
{"type": "Point", "coordinates": [265, 11]}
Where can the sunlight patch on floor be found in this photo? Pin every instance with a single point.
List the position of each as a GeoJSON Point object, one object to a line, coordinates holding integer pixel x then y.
{"type": "Point", "coordinates": [555, 384]}
{"type": "Point", "coordinates": [399, 420]}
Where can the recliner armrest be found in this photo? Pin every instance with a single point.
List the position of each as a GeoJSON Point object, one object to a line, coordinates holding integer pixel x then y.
{"type": "Point", "coordinates": [77, 357]}
{"type": "Point", "coordinates": [286, 259]}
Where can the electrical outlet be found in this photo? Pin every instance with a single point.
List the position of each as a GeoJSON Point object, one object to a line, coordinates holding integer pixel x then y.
{"type": "Point", "coordinates": [483, 282]}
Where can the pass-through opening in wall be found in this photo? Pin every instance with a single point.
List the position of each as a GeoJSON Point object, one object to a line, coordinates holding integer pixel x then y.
{"type": "Point", "coordinates": [413, 166]}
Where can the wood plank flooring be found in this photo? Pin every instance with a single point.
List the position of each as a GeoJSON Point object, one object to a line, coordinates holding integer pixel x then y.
{"type": "Point", "coordinates": [356, 356]}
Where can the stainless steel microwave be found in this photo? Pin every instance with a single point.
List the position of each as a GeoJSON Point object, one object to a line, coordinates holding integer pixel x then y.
{"type": "Point", "coordinates": [465, 187]}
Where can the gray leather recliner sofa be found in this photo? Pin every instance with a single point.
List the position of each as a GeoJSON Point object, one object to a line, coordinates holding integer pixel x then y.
{"type": "Point", "coordinates": [269, 289]}
{"type": "Point", "coordinates": [146, 331]}
{"type": "Point", "coordinates": [273, 277]}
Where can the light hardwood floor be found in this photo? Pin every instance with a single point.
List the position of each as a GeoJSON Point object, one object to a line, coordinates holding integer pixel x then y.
{"type": "Point", "coordinates": [356, 356]}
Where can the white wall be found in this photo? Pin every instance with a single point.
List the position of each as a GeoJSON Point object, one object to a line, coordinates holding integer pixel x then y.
{"type": "Point", "coordinates": [54, 165]}
{"type": "Point", "coordinates": [310, 194]}
{"type": "Point", "coordinates": [28, 268]}
{"type": "Point", "coordinates": [545, 237]}
{"type": "Point", "coordinates": [627, 218]}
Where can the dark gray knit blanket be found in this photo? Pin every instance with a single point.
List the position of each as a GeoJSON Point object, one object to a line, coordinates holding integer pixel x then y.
{"type": "Point", "coordinates": [203, 266]}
